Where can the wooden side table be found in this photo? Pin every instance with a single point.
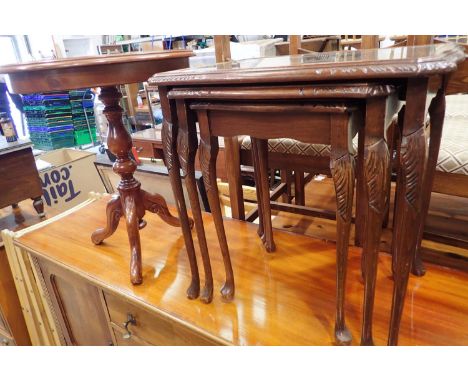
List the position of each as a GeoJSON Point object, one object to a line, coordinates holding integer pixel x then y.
{"type": "Point", "coordinates": [408, 68]}
{"type": "Point", "coordinates": [108, 71]}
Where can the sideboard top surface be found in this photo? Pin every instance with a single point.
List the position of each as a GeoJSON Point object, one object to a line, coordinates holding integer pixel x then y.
{"type": "Point", "coordinates": [285, 298]}
{"type": "Point", "coordinates": [400, 62]}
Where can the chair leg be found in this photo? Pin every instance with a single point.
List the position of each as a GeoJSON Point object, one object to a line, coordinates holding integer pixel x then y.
{"type": "Point", "coordinates": [299, 188]}
{"type": "Point", "coordinates": [232, 151]}
{"type": "Point", "coordinates": [285, 180]}
{"type": "Point", "coordinates": [258, 186]}
{"type": "Point", "coordinates": [261, 159]}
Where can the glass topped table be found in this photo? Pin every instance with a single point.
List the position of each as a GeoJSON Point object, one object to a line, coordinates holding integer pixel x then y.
{"type": "Point", "coordinates": [419, 73]}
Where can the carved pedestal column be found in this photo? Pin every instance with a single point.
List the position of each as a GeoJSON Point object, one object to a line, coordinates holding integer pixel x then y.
{"type": "Point", "coordinates": [131, 202]}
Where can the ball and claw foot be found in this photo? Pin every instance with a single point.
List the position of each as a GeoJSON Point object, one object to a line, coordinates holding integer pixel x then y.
{"type": "Point", "coordinates": [207, 294]}
{"type": "Point", "coordinates": [193, 290]}
{"type": "Point", "coordinates": [227, 291]}
{"type": "Point", "coordinates": [343, 337]}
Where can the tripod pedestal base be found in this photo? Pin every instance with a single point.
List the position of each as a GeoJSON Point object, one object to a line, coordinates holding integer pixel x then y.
{"type": "Point", "coordinates": [132, 205]}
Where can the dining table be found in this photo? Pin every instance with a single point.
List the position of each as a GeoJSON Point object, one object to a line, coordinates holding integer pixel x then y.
{"type": "Point", "coordinates": [229, 94]}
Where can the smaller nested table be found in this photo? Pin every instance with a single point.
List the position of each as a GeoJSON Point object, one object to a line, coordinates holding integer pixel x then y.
{"type": "Point", "coordinates": [107, 72]}
{"type": "Point", "coordinates": [19, 178]}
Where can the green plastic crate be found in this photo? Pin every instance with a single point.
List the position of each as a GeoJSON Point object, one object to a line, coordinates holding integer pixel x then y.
{"type": "Point", "coordinates": [82, 137]}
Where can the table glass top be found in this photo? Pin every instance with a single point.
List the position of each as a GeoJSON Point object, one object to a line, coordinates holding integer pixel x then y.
{"type": "Point", "coordinates": [414, 57]}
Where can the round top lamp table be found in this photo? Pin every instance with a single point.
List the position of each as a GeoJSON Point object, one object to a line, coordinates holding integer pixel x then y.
{"type": "Point", "coordinates": [131, 202]}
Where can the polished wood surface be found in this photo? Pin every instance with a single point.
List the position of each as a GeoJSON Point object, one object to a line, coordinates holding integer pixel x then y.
{"type": "Point", "coordinates": [272, 305]}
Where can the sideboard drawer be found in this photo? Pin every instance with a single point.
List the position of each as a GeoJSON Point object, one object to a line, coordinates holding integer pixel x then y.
{"type": "Point", "coordinates": [150, 327]}
{"type": "Point", "coordinates": [144, 148]}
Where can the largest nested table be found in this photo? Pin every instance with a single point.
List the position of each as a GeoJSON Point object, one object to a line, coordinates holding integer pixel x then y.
{"type": "Point", "coordinates": [107, 72]}
{"type": "Point", "coordinates": [419, 74]}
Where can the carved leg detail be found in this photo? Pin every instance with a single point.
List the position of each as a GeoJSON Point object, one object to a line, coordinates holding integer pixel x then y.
{"type": "Point", "coordinates": [208, 153]}
{"type": "Point", "coordinates": [376, 166]}
{"type": "Point", "coordinates": [342, 170]}
{"type": "Point", "coordinates": [114, 213]}
{"type": "Point", "coordinates": [172, 163]}
{"type": "Point", "coordinates": [261, 170]}
{"type": "Point", "coordinates": [436, 113]}
{"type": "Point", "coordinates": [132, 220]}
{"type": "Point", "coordinates": [155, 203]}
{"type": "Point", "coordinates": [187, 144]}
{"type": "Point", "coordinates": [38, 205]}
{"type": "Point", "coordinates": [410, 179]}
{"type": "Point", "coordinates": [412, 167]}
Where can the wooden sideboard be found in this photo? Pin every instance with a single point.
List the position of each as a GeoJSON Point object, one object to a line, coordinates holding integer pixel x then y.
{"type": "Point", "coordinates": [286, 298]}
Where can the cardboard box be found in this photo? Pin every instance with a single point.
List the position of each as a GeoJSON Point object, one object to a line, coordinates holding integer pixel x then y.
{"type": "Point", "coordinates": [69, 179]}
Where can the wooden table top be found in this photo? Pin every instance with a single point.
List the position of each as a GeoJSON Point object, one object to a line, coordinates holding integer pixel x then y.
{"type": "Point", "coordinates": [285, 298]}
{"type": "Point", "coordinates": [400, 62]}
{"type": "Point", "coordinates": [92, 71]}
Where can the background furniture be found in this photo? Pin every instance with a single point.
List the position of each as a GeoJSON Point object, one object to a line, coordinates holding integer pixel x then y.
{"type": "Point", "coordinates": [148, 144]}
{"type": "Point", "coordinates": [19, 178]}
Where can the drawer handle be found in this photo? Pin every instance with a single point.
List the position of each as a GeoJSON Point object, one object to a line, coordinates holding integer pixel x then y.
{"type": "Point", "coordinates": [130, 321]}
